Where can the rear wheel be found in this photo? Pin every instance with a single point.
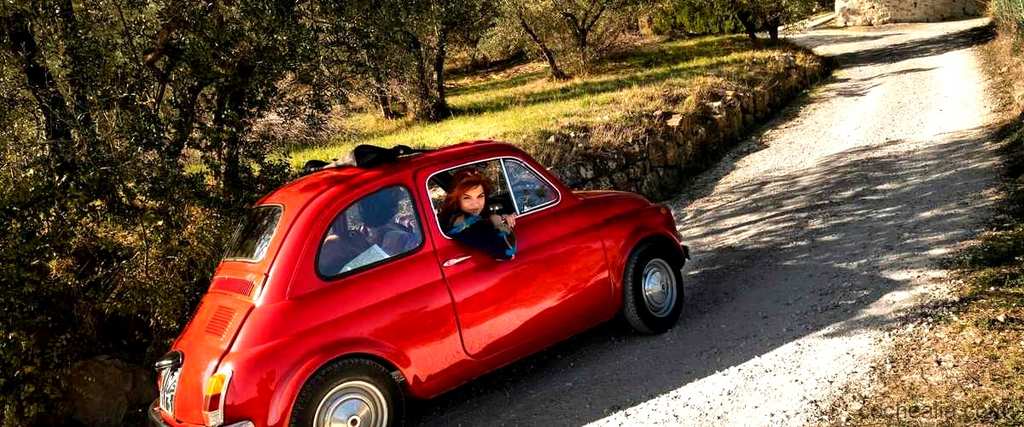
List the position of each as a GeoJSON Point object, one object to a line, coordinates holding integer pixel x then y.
{"type": "Point", "coordinates": [351, 393]}
{"type": "Point", "coordinates": [653, 289]}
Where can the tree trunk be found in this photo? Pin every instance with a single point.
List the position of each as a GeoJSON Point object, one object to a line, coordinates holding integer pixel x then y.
{"type": "Point", "coordinates": [78, 79]}
{"type": "Point", "coordinates": [383, 102]}
{"type": "Point", "coordinates": [21, 42]}
{"type": "Point", "coordinates": [549, 56]}
{"type": "Point", "coordinates": [231, 121]}
{"type": "Point", "coordinates": [440, 107]}
{"type": "Point", "coordinates": [773, 28]}
{"type": "Point", "coordinates": [424, 102]}
{"type": "Point", "coordinates": [185, 102]}
{"type": "Point", "coordinates": [747, 19]}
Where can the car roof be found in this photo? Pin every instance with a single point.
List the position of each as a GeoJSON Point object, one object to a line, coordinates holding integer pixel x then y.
{"type": "Point", "coordinates": [305, 188]}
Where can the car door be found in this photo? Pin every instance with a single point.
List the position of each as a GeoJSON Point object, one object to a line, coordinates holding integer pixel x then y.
{"type": "Point", "coordinates": [369, 282]}
{"type": "Point", "coordinates": [556, 285]}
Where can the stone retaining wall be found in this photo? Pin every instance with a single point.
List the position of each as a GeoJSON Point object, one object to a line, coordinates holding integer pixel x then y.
{"type": "Point", "coordinates": [877, 12]}
{"type": "Point", "coordinates": [652, 153]}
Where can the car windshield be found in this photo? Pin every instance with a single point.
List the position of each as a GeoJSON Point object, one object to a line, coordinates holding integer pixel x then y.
{"type": "Point", "coordinates": [252, 237]}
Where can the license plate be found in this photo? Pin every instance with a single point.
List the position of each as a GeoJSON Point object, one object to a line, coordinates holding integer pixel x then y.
{"type": "Point", "coordinates": [168, 386]}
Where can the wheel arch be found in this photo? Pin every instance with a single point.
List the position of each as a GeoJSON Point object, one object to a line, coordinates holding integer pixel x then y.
{"type": "Point", "coordinates": [283, 403]}
{"type": "Point", "coordinates": [627, 245]}
{"type": "Point", "coordinates": [663, 242]}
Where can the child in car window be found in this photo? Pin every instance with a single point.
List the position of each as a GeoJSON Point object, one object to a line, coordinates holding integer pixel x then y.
{"type": "Point", "coordinates": [465, 216]}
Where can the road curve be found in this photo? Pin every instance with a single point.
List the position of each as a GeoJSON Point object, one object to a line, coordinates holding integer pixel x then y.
{"type": "Point", "coordinates": [811, 240]}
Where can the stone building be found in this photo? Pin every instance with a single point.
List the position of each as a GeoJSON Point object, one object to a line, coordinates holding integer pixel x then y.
{"type": "Point", "coordinates": [877, 12]}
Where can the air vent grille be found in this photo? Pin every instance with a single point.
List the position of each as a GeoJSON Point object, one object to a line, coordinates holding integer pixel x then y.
{"type": "Point", "coordinates": [238, 286]}
{"type": "Point", "coordinates": [220, 321]}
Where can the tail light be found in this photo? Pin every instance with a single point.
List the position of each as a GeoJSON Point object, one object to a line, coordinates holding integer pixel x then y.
{"type": "Point", "coordinates": [213, 398]}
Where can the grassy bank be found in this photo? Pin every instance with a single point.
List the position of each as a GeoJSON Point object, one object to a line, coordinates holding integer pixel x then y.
{"type": "Point", "coordinates": [962, 362]}
{"type": "Point", "coordinates": [522, 106]}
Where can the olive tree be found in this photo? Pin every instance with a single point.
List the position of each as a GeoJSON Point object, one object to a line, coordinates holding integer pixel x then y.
{"type": "Point", "coordinates": [577, 30]}
{"type": "Point", "coordinates": [393, 52]}
{"type": "Point", "coordinates": [129, 138]}
{"type": "Point", "coordinates": [757, 15]}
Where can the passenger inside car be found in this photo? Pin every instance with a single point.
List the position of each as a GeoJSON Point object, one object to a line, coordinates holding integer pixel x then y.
{"type": "Point", "coordinates": [377, 227]}
{"type": "Point", "coordinates": [383, 225]}
{"type": "Point", "coordinates": [340, 247]}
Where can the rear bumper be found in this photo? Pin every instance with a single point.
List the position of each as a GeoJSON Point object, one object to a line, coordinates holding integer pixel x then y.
{"type": "Point", "coordinates": [156, 419]}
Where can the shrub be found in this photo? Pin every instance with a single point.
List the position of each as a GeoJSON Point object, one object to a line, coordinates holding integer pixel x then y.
{"type": "Point", "coordinates": [1009, 14]}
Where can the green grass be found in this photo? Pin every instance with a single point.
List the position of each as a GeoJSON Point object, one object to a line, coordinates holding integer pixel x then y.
{"type": "Point", "coordinates": [521, 105]}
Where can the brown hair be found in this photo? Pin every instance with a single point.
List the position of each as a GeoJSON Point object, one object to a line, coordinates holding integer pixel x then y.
{"type": "Point", "coordinates": [463, 181]}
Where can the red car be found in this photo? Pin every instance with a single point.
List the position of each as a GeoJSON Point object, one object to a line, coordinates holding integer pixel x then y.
{"type": "Point", "coordinates": [301, 326]}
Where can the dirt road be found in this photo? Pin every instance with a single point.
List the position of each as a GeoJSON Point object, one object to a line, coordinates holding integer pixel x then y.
{"type": "Point", "coordinates": [812, 241]}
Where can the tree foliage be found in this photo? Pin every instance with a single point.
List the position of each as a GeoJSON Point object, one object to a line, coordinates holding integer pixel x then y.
{"type": "Point", "coordinates": [757, 15]}
{"type": "Point", "coordinates": [575, 31]}
{"type": "Point", "coordinates": [680, 17]}
{"type": "Point", "coordinates": [394, 51]}
{"type": "Point", "coordinates": [128, 143]}
{"type": "Point", "coordinates": [132, 133]}
{"type": "Point", "coordinates": [727, 16]}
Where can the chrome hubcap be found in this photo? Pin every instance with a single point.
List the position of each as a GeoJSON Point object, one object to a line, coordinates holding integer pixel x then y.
{"type": "Point", "coordinates": [352, 404]}
{"type": "Point", "coordinates": [659, 286]}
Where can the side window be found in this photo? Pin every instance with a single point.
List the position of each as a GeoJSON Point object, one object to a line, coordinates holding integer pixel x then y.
{"type": "Point", "coordinates": [441, 183]}
{"type": "Point", "coordinates": [531, 192]}
{"type": "Point", "coordinates": [377, 227]}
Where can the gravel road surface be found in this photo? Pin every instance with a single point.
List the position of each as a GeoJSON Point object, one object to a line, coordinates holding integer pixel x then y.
{"type": "Point", "coordinates": [812, 242]}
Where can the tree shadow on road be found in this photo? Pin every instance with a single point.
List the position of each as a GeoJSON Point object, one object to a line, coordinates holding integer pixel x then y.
{"type": "Point", "coordinates": [812, 40]}
{"type": "Point", "coordinates": [932, 46]}
{"type": "Point", "coordinates": [810, 252]}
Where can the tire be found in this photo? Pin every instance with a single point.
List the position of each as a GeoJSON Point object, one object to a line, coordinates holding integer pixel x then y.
{"type": "Point", "coordinates": [360, 392]}
{"type": "Point", "coordinates": [657, 310]}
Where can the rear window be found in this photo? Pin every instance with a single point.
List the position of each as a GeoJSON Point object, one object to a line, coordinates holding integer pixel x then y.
{"type": "Point", "coordinates": [252, 237]}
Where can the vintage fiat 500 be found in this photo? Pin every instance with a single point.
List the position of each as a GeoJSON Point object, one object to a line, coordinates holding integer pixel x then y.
{"type": "Point", "coordinates": [312, 319]}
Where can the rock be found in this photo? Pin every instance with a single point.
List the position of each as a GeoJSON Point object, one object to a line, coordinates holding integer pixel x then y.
{"type": "Point", "coordinates": [620, 180]}
{"type": "Point", "coordinates": [672, 155]}
{"type": "Point", "coordinates": [674, 120]}
{"type": "Point", "coordinates": [143, 390]}
{"type": "Point", "coordinates": [656, 153]}
{"type": "Point", "coordinates": [877, 12]}
{"type": "Point", "coordinates": [101, 391]}
{"type": "Point", "coordinates": [586, 171]}
{"type": "Point", "coordinates": [747, 103]}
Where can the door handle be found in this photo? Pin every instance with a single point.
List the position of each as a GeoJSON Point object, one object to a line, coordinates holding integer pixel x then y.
{"type": "Point", "coordinates": [457, 260]}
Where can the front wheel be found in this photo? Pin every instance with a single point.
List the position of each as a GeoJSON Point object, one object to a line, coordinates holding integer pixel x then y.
{"type": "Point", "coordinates": [653, 289]}
{"type": "Point", "coordinates": [352, 393]}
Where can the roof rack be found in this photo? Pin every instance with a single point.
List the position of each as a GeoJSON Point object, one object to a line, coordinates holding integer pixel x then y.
{"type": "Point", "coordinates": [365, 156]}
